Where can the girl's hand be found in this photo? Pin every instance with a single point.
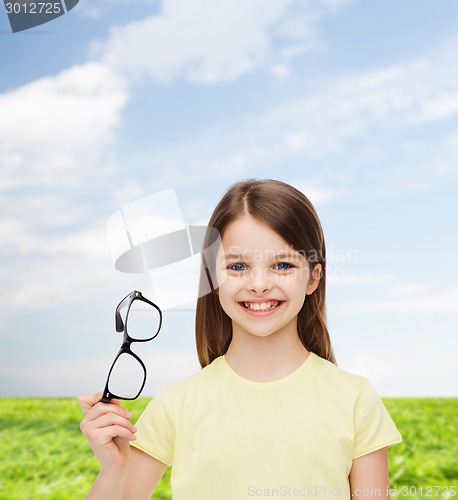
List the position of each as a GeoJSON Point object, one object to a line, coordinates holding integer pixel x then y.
{"type": "Point", "coordinates": [109, 431]}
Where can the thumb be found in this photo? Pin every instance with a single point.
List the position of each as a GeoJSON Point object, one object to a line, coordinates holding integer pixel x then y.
{"type": "Point", "coordinates": [87, 401]}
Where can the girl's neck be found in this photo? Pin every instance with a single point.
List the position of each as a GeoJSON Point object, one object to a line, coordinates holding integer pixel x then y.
{"type": "Point", "coordinates": [265, 359]}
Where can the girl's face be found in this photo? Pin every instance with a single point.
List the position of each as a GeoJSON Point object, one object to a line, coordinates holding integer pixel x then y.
{"type": "Point", "coordinates": [263, 280]}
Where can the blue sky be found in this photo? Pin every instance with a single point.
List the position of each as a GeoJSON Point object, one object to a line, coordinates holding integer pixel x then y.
{"type": "Point", "coordinates": [354, 102]}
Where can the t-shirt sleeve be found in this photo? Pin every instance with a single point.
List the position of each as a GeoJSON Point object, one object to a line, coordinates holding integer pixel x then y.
{"type": "Point", "coordinates": [155, 428]}
{"type": "Point", "coordinates": [374, 427]}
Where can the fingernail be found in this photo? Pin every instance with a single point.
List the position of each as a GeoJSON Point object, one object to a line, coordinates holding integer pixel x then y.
{"type": "Point", "coordinates": [129, 415]}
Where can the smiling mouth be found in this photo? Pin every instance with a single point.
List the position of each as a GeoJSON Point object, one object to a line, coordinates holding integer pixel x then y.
{"type": "Point", "coordinates": [269, 305]}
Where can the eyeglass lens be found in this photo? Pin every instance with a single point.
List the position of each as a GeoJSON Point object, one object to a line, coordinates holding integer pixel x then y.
{"type": "Point", "coordinates": [141, 320]}
{"type": "Point", "coordinates": [127, 376]}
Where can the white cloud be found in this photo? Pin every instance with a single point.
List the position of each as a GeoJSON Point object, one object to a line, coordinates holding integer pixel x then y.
{"type": "Point", "coordinates": [349, 279]}
{"type": "Point", "coordinates": [357, 106]}
{"type": "Point", "coordinates": [452, 140]}
{"type": "Point", "coordinates": [364, 125]}
{"type": "Point", "coordinates": [97, 8]}
{"type": "Point", "coordinates": [51, 128]}
{"type": "Point", "coordinates": [29, 286]}
{"type": "Point", "coordinates": [407, 290]}
{"type": "Point", "coordinates": [211, 42]}
{"type": "Point", "coordinates": [414, 299]}
{"type": "Point", "coordinates": [281, 71]}
{"type": "Point", "coordinates": [55, 135]}
{"type": "Point", "coordinates": [26, 237]}
{"type": "Point", "coordinates": [316, 194]}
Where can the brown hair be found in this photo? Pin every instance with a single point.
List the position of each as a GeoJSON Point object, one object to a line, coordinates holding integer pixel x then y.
{"type": "Point", "coordinates": [290, 214]}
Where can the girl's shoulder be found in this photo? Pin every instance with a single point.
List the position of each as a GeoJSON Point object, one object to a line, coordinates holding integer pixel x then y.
{"type": "Point", "coordinates": [334, 376]}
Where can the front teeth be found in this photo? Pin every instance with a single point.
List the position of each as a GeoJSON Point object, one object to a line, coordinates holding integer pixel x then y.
{"type": "Point", "coordinates": [263, 306]}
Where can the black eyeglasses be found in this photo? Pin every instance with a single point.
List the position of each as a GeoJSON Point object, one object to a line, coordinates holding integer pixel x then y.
{"type": "Point", "coordinates": [127, 375]}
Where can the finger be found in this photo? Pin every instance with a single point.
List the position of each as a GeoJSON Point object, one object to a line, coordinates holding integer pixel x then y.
{"type": "Point", "coordinates": [102, 426]}
{"type": "Point", "coordinates": [100, 430]}
{"type": "Point", "coordinates": [103, 436]}
{"type": "Point", "coordinates": [87, 401]}
{"type": "Point", "coordinates": [116, 431]}
{"type": "Point", "coordinates": [113, 419]}
{"type": "Point", "coordinates": [100, 409]}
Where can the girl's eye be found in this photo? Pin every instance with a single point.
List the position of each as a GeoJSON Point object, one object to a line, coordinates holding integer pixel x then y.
{"type": "Point", "coordinates": [283, 266]}
{"type": "Point", "coordinates": [237, 267]}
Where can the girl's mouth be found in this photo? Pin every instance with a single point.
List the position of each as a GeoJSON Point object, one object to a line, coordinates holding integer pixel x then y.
{"type": "Point", "coordinates": [262, 307]}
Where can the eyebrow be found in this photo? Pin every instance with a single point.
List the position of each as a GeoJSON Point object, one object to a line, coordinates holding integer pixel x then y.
{"type": "Point", "coordinates": [280, 255]}
{"type": "Point", "coordinates": [232, 256]}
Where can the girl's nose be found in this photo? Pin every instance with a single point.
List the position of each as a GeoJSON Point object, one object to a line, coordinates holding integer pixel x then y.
{"type": "Point", "coordinates": [259, 281]}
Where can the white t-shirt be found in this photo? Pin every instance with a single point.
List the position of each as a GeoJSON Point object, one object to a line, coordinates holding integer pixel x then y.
{"type": "Point", "coordinates": [229, 438]}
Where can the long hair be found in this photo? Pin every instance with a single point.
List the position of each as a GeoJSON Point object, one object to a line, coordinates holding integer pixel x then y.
{"type": "Point", "coordinates": [291, 215]}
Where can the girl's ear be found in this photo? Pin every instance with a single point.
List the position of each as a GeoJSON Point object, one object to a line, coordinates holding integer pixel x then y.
{"type": "Point", "coordinates": [314, 279]}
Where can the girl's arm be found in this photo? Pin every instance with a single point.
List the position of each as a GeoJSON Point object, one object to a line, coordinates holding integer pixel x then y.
{"type": "Point", "coordinates": [143, 474]}
{"type": "Point", "coordinates": [125, 472]}
{"type": "Point", "coordinates": [369, 476]}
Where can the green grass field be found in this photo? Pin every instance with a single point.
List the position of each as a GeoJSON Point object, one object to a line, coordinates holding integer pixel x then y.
{"type": "Point", "coordinates": [44, 455]}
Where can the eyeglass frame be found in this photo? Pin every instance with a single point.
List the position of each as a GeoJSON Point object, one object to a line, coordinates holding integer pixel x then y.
{"type": "Point", "coordinates": [125, 348]}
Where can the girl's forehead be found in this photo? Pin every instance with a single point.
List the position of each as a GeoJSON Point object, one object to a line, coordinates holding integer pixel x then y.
{"type": "Point", "coordinates": [252, 239]}
{"type": "Point", "coordinates": [248, 229]}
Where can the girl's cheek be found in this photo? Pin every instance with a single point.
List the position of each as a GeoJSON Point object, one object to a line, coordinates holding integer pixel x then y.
{"type": "Point", "coordinates": [221, 276]}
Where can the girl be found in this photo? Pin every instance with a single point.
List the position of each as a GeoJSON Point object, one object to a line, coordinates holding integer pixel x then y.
{"type": "Point", "coordinates": [270, 414]}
